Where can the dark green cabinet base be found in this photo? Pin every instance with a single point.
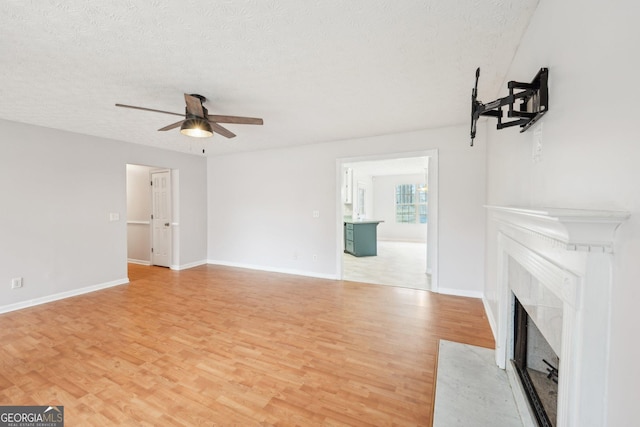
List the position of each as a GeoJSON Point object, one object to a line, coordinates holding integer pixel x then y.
{"type": "Point", "coordinates": [360, 239]}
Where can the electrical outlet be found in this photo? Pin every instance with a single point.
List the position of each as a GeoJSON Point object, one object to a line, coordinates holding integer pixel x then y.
{"type": "Point", "coordinates": [316, 214]}
{"type": "Point", "coordinates": [315, 257]}
{"type": "Point", "coordinates": [537, 151]}
{"type": "Point", "coordinates": [16, 283]}
{"type": "Point", "coordinates": [537, 144]}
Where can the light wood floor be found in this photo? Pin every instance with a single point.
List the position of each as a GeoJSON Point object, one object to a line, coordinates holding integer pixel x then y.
{"type": "Point", "coordinates": [222, 346]}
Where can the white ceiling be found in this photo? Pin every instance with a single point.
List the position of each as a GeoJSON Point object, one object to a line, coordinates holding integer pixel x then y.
{"type": "Point", "coordinates": [314, 70]}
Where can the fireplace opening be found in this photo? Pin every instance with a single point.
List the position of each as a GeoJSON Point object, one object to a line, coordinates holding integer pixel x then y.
{"type": "Point", "coordinates": [537, 366]}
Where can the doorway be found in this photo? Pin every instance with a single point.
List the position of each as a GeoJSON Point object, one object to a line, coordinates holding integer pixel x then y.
{"type": "Point", "coordinates": [161, 218]}
{"type": "Point", "coordinates": [407, 243]}
{"type": "Point", "coordinates": [151, 230]}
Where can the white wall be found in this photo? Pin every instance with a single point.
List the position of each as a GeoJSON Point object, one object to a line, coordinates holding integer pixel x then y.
{"type": "Point", "coordinates": [58, 190]}
{"type": "Point", "coordinates": [385, 207]}
{"type": "Point", "coordinates": [589, 155]}
{"type": "Point", "coordinates": [261, 204]}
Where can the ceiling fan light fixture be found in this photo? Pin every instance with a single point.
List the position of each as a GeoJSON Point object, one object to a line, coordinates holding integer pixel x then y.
{"type": "Point", "coordinates": [196, 127]}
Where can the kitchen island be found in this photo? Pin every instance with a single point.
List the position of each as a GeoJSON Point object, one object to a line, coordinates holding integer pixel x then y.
{"type": "Point", "coordinates": [360, 237]}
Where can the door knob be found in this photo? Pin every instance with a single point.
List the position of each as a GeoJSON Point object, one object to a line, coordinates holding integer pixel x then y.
{"type": "Point", "coordinates": [166, 224]}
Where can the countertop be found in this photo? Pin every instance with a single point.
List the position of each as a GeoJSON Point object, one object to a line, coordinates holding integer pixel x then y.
{"type": "Point", "coordinates": [363, 221]}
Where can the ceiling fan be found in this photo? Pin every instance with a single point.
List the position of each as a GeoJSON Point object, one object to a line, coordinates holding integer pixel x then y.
{"type": "Point", "coordinates": [197, 121]}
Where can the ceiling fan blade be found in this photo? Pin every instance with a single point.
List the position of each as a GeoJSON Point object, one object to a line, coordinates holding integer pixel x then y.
{"type": "Point", "coordinates": [194, 105]}
{"type": "Point", "coordinates": [148, 109]}
{"type": "Point", "coordinates": [235, 119]}
{"type": "Point", "coordinates": [222, 131]}
{"type": "Point", "coordinates": [172, 126]}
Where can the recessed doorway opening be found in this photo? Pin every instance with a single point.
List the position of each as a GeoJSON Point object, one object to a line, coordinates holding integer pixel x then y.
{"type": "Point", "coordinates": [151, 216]}
{"type": "Point", "coordinates": [399, 193]}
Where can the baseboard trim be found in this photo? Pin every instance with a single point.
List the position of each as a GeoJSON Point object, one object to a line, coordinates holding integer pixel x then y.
{"type": "Point", "coordinates": [189, 265]}
{"type": "Point", "coordinates": [460, 293]}
{"type": "Point", "coordinates": [138, 261]}
{"type": "Point", "coordinates": [61, 295]}
{"type": "Point", "coordinates": [274, 270]}
{"type": "Point", "coordinates": [490, 318]}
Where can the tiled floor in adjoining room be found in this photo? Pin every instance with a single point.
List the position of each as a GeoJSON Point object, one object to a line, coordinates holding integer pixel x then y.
{"type": "Point", "coordinates": [401, 264]}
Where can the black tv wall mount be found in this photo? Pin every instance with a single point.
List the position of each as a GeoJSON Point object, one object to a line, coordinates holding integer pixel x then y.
{"type": "Point", "coordinates": [533, 98]}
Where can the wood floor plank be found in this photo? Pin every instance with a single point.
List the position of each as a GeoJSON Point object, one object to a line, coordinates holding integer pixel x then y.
{"type": "Point", "coordinates": [223, 346]}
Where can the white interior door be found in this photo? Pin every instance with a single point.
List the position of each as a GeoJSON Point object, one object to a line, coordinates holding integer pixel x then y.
{"type": "Point", "coordinates": [161, 218]}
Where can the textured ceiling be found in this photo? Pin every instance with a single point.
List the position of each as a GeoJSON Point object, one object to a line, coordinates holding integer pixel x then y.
{"type": "Point", "coordinates": [314, 70]}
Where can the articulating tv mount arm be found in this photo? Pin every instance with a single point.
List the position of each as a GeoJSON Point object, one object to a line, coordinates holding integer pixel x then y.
{"type": "Point", "coordinates": [534, 104]}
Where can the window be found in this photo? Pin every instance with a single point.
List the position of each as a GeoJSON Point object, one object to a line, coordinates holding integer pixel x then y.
{"type": "Point", "coordinates": [411, 203]}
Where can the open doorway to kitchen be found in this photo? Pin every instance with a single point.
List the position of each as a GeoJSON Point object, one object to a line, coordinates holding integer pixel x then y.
{"type": "Point", "coordinates": [387, 219]}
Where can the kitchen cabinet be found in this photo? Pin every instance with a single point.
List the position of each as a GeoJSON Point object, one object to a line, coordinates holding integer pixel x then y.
{"type": "Point", "coordinates": [360, 238]}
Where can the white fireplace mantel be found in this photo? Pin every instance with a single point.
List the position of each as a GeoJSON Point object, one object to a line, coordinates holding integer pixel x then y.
{"type": "Point", "coordinates": [575, 229]}
{"type": "Point", "coordinates": [569, 253]}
